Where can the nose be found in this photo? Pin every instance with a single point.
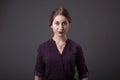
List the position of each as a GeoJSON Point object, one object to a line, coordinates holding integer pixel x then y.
{"type": "Point", "coordinates": [61, 27]}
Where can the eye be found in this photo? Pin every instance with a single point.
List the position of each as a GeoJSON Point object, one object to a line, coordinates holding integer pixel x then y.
{"type": "Point", "coordinates": [64, 23]}
{"type": "Point", "coordinates": [57, 23]}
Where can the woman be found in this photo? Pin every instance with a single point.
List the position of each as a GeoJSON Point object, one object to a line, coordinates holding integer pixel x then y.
{"type": "Point", "coordinates": [57, 57]}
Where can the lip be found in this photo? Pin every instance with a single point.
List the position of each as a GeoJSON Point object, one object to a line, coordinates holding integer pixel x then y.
{"type": "Point", "coordinates": [60, 32]}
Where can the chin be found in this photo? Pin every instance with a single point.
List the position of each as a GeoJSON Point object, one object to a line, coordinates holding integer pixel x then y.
{"type": "Point", "coordinates": [60, 35]}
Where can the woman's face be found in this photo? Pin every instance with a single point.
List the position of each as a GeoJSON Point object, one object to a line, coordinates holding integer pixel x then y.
{"type": "Point", "coordinates": [60, 26]}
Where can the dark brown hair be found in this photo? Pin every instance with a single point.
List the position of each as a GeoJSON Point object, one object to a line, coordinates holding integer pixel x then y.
{"type": "Point", "coordinates": [60, 11]}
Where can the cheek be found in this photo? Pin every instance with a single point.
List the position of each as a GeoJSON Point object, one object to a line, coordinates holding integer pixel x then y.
{"type": "Point", "coordinates": [54, 28]}
{"type": "Point", "coordinates": [67, 27]}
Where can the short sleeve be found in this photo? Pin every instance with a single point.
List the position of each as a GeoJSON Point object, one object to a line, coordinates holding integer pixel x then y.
{"type": "Point", "coordinates": [39, 66]}
{"type": "Point", "coordinates": [80, 64]}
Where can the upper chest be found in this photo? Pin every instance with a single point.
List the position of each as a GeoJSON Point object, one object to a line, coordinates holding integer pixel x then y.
{"type": "Point", "coordinates": [52, 53]}
{"type": "Point", "coordinates": [60, 47]}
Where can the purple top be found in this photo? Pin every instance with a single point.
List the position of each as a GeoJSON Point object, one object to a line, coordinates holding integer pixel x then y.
{"type": "Point", "coordinates": [51, 65]}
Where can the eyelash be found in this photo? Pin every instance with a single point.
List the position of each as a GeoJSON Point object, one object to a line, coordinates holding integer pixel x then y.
{"type": "Point", "coordinates": [64, 23]}
{"type": "Point", "coordinates": [57, 23]}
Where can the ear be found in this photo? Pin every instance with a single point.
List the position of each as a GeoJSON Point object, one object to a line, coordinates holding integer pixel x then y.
{"type": "Point", "coordinates": [69, 25]}
{"type": "Point", "coordinates": [51, 26]}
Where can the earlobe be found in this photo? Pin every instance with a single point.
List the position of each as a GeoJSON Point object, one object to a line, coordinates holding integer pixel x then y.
{"type": "Point", "coordinates": [70, 25]}
{"type": "Point", "coordinates": [51, 26]}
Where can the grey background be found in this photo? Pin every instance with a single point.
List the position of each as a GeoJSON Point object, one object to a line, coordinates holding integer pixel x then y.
{"type": "Point", "coordinates": [24, 25]}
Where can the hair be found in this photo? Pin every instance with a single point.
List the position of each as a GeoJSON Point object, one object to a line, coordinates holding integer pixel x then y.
{"type": "Point", "coordinates": [60, 11]}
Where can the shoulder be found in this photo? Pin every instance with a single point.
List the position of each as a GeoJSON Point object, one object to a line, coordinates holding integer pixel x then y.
{"type": "Point", "coordinates": [74, 44]}
{"type": "Point", "coordinates": [44, 45]}
{"type": "Point", "coordinates": [75, 47]}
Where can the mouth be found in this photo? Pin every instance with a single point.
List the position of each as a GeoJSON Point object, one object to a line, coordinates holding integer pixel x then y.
{"type": "Point", "coordinates": [60, 32]}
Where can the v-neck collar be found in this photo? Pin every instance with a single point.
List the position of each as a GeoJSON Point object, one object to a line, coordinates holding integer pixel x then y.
{"type": "Point", "coordinates": [55, 47]}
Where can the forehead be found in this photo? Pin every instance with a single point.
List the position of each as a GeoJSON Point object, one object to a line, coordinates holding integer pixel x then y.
{"type": "Point", "coordinates": [60, 18]}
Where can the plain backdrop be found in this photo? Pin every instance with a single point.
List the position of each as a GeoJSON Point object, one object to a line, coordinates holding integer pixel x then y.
{"type": "Point", "coordinates": [24, 25]}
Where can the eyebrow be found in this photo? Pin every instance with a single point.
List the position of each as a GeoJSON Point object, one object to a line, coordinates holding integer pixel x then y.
{"type": "Point", "coordinates": [62, 21]}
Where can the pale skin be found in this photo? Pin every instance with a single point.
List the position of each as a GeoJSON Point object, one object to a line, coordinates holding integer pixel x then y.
{"type": "Point", "coordinates": [60, 27]}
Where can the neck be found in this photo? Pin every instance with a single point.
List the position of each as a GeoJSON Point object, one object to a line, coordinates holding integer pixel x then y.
{"type": "Point", "coordinates": [57, 39]}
